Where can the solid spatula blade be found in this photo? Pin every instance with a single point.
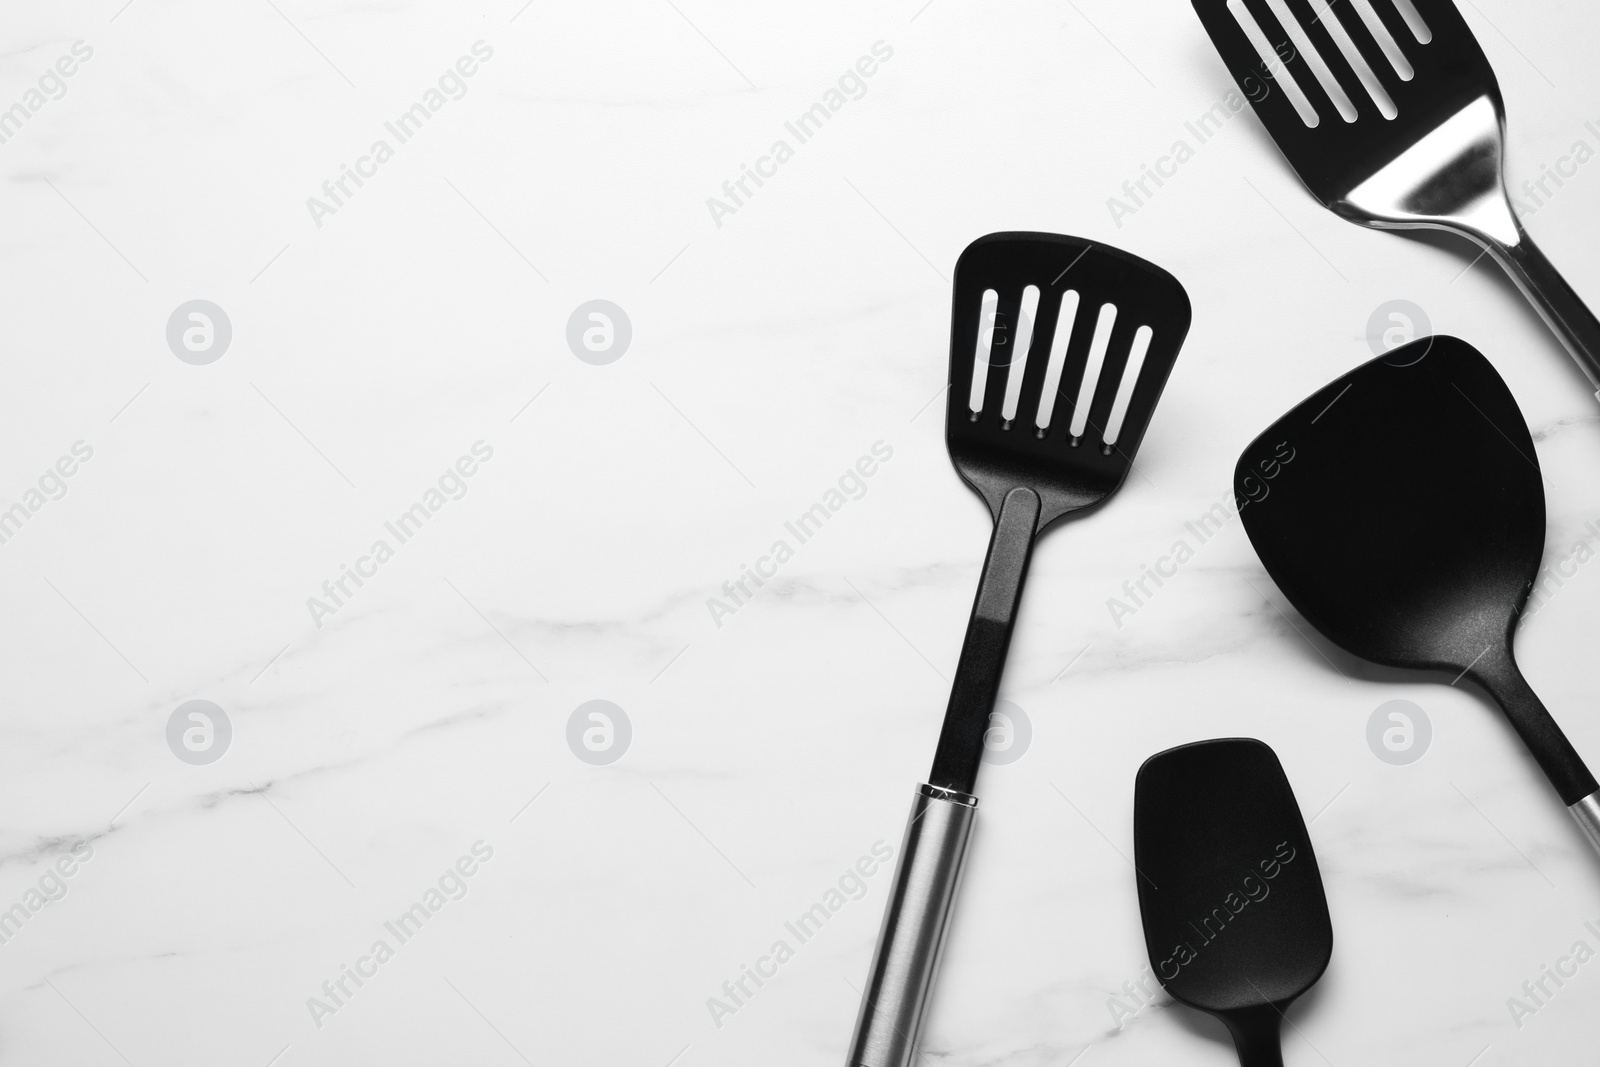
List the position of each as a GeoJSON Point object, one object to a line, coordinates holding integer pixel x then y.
{"type": "Point", "coordinates": [1229, 890]}
{"type": "Point", "coordinates": [1400, 509]}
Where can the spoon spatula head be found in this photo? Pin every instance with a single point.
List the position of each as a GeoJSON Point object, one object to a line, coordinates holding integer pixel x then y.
{"type": "Point", "coordinates": [1400, 509]}
{"type": "Point", "coordinates": [1235, 919]}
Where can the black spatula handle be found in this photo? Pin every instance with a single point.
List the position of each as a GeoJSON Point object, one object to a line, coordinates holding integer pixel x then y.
{"type": "Point", "coordinates": [983, 652]}
{"type": "Point", "coordinates": [1497, 673]}
{"type": "Point", "coordinates": [907, 957]}
{"type": "Point", "coordinates": [1256, 1036]}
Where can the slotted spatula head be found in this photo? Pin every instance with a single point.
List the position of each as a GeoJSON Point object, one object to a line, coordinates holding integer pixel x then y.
{"type": "Point", "coordinates": [1400, 508]}
{"type": "Point", "coordinates": [1047, 308]}
{"type": "Point", "coordinates": [1438, 157]}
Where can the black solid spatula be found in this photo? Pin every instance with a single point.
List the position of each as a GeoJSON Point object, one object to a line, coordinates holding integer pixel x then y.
{"type": "Point", "coordinates": [1059, 349]}
{"type": "Point", "coordinates": [1401, 511]}
{"type": "Point", "coordinates": [1235, 919]}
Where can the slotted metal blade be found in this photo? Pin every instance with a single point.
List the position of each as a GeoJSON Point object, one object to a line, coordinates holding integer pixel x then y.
{"type": "Point", "coordinates": [1450, 71]}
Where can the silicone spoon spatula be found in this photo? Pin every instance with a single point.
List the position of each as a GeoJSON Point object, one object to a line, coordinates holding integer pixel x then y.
{"type": "Point", "coordinates": [1059, 349]}
{"type": "Point", "coordinates": [1401, 511]}
{"type": "Point", "coordinates": [1235, 919]}
{"type": "Point", "coordinates": [1432, 159]}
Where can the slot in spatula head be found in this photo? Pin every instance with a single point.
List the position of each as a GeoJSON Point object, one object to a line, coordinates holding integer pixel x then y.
{"type": "Point", "coordinates": [1449, 72]}
{"type": "Point", "coordinates": [1047, 308]}
{"type": "Point", "coordinates": [1400, 508]}
{"type": "Point", "coordinates": [1235, 918]}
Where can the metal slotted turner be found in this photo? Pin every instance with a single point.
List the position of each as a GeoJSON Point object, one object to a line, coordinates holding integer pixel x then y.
{"type": "Point", "coordinates": [1059, 350]}
{"type": "Point", "coordinates": [1430, 160]}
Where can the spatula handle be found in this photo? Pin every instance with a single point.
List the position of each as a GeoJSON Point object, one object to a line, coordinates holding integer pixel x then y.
{"type": "Point", "coordinates": [1587, 812]}
{"type": "Point", "coordinates": [983, 650]}
{"type": "Point", "coordinates": [1256, 1034]}
{"type": "Point", "coordinates": [914, 925]}
{"type": "Point", "coordinates": [1562, 309]}
{"type": "Point", "coordinates": [1496, 671]}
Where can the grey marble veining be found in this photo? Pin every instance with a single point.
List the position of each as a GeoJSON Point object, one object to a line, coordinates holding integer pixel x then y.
{"type": "Point", "coordinates": [438, 715]}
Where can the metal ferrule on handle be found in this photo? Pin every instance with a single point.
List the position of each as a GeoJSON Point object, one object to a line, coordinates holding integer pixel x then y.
{"type": "Point", "coordinates": [914, 925]}
{"type": "Point", "coordinates": [1587, 812]}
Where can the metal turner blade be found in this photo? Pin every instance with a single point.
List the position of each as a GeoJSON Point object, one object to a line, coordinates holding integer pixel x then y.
{"type": "Point", "coordinates": [1435, 162]}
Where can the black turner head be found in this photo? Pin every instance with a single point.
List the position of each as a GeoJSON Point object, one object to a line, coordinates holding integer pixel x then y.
{"type": "Point", "coordinates": [1400, 508]}
{"type": "Point", "coordinates": [1401, 511]}
{"type": "Point", "coordinates": [1033, 312]}
{"type": "Point", "coordinates": [1235, 919]}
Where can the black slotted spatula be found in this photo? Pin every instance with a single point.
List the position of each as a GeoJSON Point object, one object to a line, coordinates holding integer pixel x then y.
{"type": "Point", "coordinates": [1059, 350]}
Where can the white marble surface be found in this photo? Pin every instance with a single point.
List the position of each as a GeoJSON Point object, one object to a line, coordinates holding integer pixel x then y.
{"type": "Point", "coordinates": [768, 354]}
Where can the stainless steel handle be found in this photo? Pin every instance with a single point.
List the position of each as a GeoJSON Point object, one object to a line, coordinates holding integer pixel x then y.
{"type": "Point", "coordinates": [914, 924]}
{"type": "Point", "coordinates": [1587, 812]}
{"type": "Point", "coordinates": [1560, 307]}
